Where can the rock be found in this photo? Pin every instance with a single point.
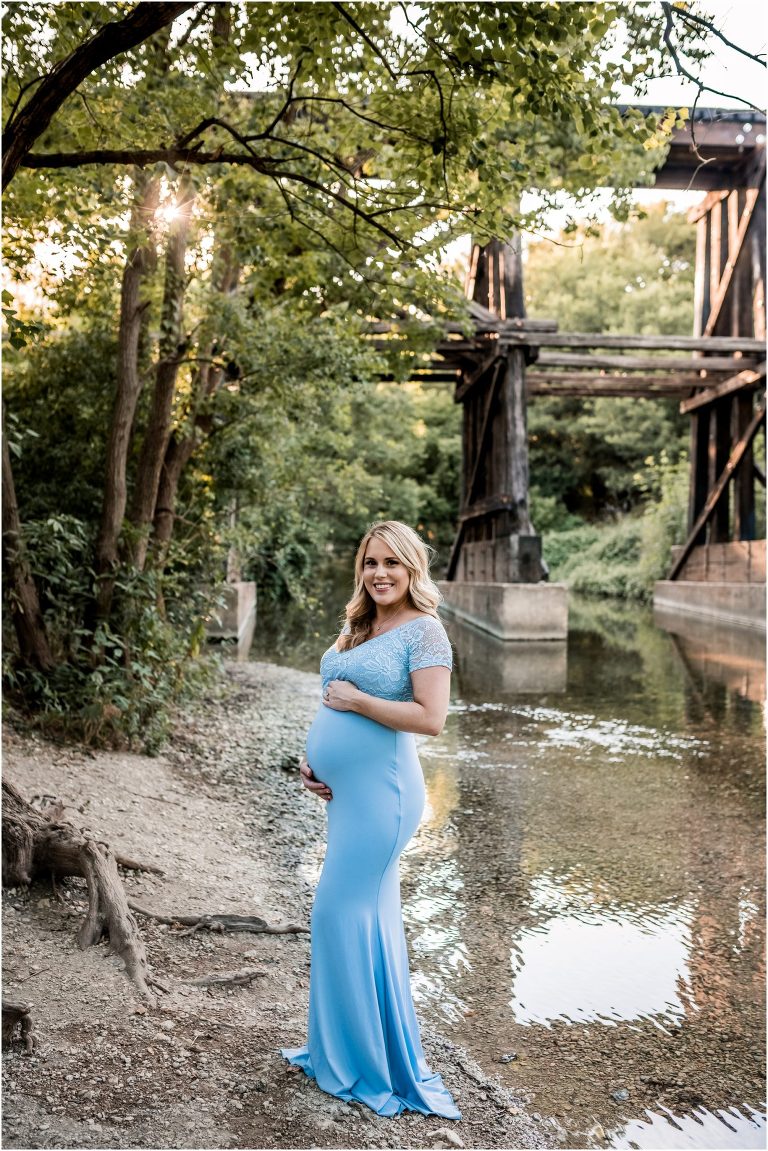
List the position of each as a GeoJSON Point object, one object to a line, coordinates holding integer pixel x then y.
{"type": "Point", "coordinates": [509, 1058]}
{"type": "Point", "coordinates": [621, 1095]}
{"type": "Point", "coordinates": [446, 1137]}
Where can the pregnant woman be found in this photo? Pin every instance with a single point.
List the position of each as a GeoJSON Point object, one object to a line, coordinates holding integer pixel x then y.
{"type": "Point", "coordinates": [386, 678]}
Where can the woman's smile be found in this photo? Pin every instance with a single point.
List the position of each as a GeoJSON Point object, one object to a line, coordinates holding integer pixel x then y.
{"type": "Point", "coordinates": [385, 576]}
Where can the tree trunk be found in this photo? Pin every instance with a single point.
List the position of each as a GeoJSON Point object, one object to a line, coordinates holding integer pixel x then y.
{"type": "Point", "coordinates": [158, 432]}
{"type": "Point", "coordinates": [141, 260]}
{"type": "Point", "coordinates": [177, 456]}
{"type": "Point", "coordinates": [182, 446]}
{"type": "Point", "coordinates": [34, 846]}
{"type": "Point", "coordinates": [25, 603]}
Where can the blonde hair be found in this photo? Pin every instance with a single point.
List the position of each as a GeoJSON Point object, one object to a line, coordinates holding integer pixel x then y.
{"type": "Point", "coordinates": [415, 556]}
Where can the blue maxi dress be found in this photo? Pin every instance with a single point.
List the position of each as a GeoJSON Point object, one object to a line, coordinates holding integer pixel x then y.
{"type": "Point", "coordinates": [363, 1036]}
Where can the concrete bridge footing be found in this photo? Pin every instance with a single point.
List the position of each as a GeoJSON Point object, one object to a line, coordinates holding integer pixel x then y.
{"type": "Point", "coordinates": [732, 604]}
{"type": "Point", "coordinates": [509, 611]}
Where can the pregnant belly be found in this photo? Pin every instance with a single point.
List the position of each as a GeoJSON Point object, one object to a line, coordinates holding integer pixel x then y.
{"type": "Point", "coordinates": [346, 748]}
{"type": "Point", "coordinates": [378, 791]}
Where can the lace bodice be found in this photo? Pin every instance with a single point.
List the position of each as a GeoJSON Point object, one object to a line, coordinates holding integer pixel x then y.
{"type": "Point", "coordinates": [382, 665]}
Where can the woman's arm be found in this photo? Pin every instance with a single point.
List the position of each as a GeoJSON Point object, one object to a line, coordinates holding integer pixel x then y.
{"type": "Point", "coordinates": [425, 716]}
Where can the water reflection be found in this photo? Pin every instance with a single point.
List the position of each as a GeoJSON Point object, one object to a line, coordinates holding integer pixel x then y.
{"type": "Point", "coordinates": [486, 666]}
{"type": "Point", "coordinates": [609, 915]}
{"type": "Point", "coordinates": [725, 1128]}
{"type": "Point", "coordinates": [435, 916]}
{"type": "Point", "coordinates": [602, 963]}
{"type": "Point", "coordinates": [711, 654]}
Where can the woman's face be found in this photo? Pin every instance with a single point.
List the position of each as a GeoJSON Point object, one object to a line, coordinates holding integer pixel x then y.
{"type": "Point", "coordinates": [385, 577]}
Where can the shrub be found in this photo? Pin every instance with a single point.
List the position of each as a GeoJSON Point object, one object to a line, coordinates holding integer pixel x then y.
{"type": "Point", "coordinates": [626, 557]}
{"type": "Point", "coordinates": [599, 560]}
{"type": "Point", "coordinates": [116, 684]}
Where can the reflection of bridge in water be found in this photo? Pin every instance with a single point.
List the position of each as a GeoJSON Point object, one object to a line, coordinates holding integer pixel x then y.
{"type": "Point", "coordinates": [718, 660]}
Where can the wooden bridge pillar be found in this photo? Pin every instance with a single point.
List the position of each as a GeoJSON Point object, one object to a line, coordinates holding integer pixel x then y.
{"type": "Point", "coordinates": [729, 298]}
{"type": "Point", "coordinates": [495, 541]}
{"type": "Point", "coordinates": [719, 571]}
{"type": "Point", "coordinates": [744, 524]}
{"type": "Point", "coordinates": [496, 575]}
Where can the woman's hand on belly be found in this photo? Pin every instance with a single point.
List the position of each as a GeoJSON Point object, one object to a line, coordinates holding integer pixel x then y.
{"type": "Point", "coordinates": [342, 695]}
{"type": "Point", "coordinates": [316, 786]}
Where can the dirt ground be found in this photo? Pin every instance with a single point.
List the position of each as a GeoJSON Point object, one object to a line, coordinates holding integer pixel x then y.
{"type": "Point", "coordinates": [222, 814]}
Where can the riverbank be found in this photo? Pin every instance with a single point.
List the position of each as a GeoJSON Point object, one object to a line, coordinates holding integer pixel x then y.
{"type": "Point", "coordinates": [222, 814]}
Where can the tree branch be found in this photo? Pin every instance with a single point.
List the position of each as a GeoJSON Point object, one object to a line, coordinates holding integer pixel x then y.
{"type": "Point", "coordinates": [194, 22]}
{"type": "Point", "coordinates": [24, 88]}
{"type": "Point", "coordinates": [286, 105]}
{"type": "Point", "coordinates": [429, 72]}
{"type": "Point", "coordinates": [306, 99]}
{"type": "Point", "coordinates": [110, 41]}
{"type": "Point", "coordinates": [178, 157]}
{"type": "Point", "coordinates": [669, 11]}
{"type": "Point", "coordinates": [692, 18]}
{"type": "Point", "coordinates": [364, 36]}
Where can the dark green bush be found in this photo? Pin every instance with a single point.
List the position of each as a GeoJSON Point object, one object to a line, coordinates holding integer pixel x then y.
{"type": "Point", "coordinates": [116, 684]}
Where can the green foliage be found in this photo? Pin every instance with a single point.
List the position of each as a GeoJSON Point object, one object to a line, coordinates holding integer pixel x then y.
{"type": "Point", "coordinates": [117, 684]}
{"type": "Point", "coordinates": [19, 332]}
{"type": "Point", "coordinates": [599, 560]}
{"type": "Point", "coordinates": [549, 513]}
{"type": "Point", "coordinates": [665, 517]}
{"type": "Point", "coordinates": [591, 455]}
{"type": "Point", "coordinates": [626, 557]}
{"type": "Point", "coordinates": [374, 451]}
{"type": "Point", "coordinates": [381, 128]}
{"type": "Point", "coordinates": [635, 278]}
{"type": "Point", "coordinates": [60, 393]}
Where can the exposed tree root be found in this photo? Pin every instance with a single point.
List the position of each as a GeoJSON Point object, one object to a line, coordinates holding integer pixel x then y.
{"type": "Point", "coordinates": [136, 865]}
{"type": "Point", "coordinates": [42, 843]}
{"type": "Point", "coordinates": [34, 846]}
{"type": "Point", "coordinates": [228, 978]}
{"type": "Point", "coordinates": [221, 923]}
{"type": "Point", "coordinates": [17, 1016]}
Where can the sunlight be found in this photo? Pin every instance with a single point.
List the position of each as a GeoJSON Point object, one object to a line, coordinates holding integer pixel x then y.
{"type": "Point", "coordinates": [167, 213]}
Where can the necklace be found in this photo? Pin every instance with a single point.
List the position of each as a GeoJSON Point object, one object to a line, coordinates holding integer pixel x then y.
{"type": "Point", "coordinates": [378, 626]}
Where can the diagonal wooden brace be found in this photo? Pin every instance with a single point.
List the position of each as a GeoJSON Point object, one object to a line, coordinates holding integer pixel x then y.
{"type": "Point", "coordinates": [713, 499]}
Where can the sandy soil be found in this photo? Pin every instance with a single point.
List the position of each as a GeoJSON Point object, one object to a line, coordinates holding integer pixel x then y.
{"type": "Point", "coordinates": [222, 814]}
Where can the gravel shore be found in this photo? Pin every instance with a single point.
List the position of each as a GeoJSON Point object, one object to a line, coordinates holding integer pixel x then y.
{"type": "Point", "coordinates": [222, 814]}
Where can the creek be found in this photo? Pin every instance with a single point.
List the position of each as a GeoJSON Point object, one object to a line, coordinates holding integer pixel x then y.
{"type": "Point", "coordinates": [584, 900]}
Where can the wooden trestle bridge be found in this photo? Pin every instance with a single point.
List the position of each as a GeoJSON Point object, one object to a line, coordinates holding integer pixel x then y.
{"type": "Point", "coordinates": [717, 374]}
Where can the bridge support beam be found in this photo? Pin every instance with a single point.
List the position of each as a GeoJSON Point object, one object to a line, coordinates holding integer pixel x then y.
{"type": "Point", "coordinates": [495, 541]}
{"type": "Point", "coordinates": [495, 570]}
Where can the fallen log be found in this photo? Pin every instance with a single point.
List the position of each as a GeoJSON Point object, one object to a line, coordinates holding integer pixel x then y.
{"type": "Point", "coordinates": [34, 846]}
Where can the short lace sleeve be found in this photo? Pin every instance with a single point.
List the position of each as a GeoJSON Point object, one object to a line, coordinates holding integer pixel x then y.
{"type": "Point", "coordinates": [429, 646]}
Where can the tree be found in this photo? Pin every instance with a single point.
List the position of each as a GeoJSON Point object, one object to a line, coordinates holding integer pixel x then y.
{"type": "Point", "coordinates": [326, 193]}
{"type": "Point", "coordinates": [28, 121]}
